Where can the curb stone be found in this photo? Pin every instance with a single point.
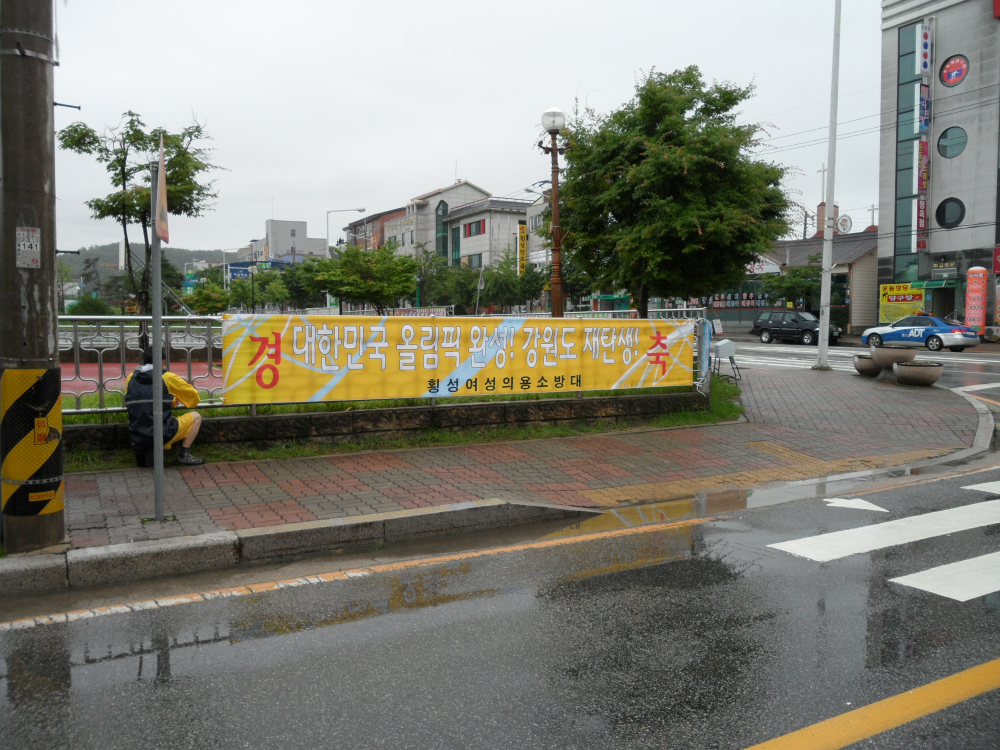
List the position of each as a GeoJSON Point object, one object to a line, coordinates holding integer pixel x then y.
{"type": "Point", "coordinates": [136, 561]}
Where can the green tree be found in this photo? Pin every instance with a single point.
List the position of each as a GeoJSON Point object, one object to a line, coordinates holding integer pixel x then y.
{"type": "Point", "coordinates": [276, 293]}
{"type": "Point", "coordinates": [454, 285]}
{"type": "Point", "coordinates": [208, 299]}
{"type": "Point", "coordinates": [91, 276]}
{"type": "Point", "coordinates": [802, 283]}
{"type": "Point", "coordinates": [576, 281]}
{"type": "Point", "coordinates": [240, 292]}
{"type": "Point", "coordinates": [298, 281]}
{"type": "Point", "coordinates": [377, 277]}
{"type": "Point", "coordinates": [63, 276]}
{"type": "Point", "coordinates": [127, 152]}
{"type": "Point", "coordinates": [90, 306]}
{"type": "Point", "coordinates": [170, 274]}
{"type": "Point", "coordinates": [530, 284]}
{"type": "Point", "coordinates": [663, 196]}
{"type": "Point", "coordinates": [213, 275]}
{"type": "Point", "coordinates": [429, 266]}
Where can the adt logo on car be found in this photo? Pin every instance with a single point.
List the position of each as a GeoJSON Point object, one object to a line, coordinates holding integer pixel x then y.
{"type": "Point", "coordinates": [913, 333]}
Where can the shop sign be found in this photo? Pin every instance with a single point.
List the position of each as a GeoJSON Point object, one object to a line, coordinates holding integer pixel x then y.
{"type": "Point", "coordinates": [923, 62]}
{"type": "Point", "coordinates": [897, 301]}
{"type": "Point", "coordinates": [925, 108]}
{"type": "Point", "coordinates": [996, 260]}
{"type": "Point", "coordinates": [920, 237]}
{"type": "Point", "coordinates": [316, 358]}
{"type": "Point", "coordinates": [954, 70]}
{"type": "Point", "coordinates": [924, 167]}
{"type": "Point", "coordinates": [975, 298]}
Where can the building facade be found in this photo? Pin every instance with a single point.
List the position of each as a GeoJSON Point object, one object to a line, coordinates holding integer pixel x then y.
{"type": "Point", "coordinates": [423, 220]}
{"type": "Point", "coordinates": [370, 231]}
{"type": "Point", "coordinates": [539, 248]}
{"type": "Point", "coordinates": [940, 132]}
{"type": "Point", "coordinates": [481, 232]}
{"type": "Point", "coordinates": [284, 240]}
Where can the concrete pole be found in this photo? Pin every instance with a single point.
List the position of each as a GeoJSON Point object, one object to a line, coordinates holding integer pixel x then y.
{"type": "Point", "coordinates": [828, 224]}
{"type": "Point", "coordinates": [31, 449]}
{"type": "Point", "coordinates": [157, 305]}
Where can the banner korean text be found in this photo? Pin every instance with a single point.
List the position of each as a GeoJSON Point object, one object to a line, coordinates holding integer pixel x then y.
{"type": "Point", "coordinates": [293, 358]}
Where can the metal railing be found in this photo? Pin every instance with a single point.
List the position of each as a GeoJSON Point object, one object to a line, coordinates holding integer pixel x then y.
{"type": "Point", "coordinates": [116, 341]}
{"type": "Point", "coordinates": [105, 348]}
{"type": "Point", "coordinates": [689, 313]}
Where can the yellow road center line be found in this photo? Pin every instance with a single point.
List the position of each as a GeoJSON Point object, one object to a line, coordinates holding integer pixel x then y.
{"type": "Point", "coordinates": [862, 723]}
{"type": "Point", "coordinates": [987, 400]}
{"type": "Point", "coordinates": [339, 575]}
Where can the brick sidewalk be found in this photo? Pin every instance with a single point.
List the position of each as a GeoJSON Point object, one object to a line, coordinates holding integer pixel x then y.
{"type": "Point", "coordinates": [802, 424]}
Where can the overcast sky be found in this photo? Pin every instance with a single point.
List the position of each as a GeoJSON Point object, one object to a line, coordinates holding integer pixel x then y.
{"type": "Point", "coordinates": [321, 104]}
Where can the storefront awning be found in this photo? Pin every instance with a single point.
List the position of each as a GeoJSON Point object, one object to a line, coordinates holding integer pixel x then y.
{"type": "Point", "coordinates": [935, 284]}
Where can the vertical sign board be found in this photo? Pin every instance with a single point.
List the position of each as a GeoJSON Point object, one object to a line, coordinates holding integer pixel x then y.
{"type": "Point", "coordinates": [975, 298]}
{"type": "Point", "coordinates": [897, 301]}
{"type": "Point", "coordinates": [924, 165]}
{"type": "Point", "coordinates": [923, 57]}
{"type": "Point", "coordinates": [924, 123]}
{"type": "Point", "coordinates": [522, 247]}
{"type": "Point", "coordinates": [921, 234]}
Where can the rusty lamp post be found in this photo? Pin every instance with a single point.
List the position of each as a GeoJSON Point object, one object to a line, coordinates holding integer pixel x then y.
{"type": "Point", "coordinates": [553, 121]}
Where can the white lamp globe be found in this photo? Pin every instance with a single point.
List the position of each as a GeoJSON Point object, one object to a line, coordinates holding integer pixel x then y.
{"type": "Point", "coordinates": [553, 120]}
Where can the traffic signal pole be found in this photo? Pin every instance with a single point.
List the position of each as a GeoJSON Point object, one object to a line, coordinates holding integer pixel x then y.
{"type": "Point", "coordinates": [31, 448]}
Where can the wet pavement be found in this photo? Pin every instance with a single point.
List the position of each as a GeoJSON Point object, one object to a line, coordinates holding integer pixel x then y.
{"type": "Point", "coordinates": [972, 367]}
{"type": "Point", "coordinates": [667, 625]}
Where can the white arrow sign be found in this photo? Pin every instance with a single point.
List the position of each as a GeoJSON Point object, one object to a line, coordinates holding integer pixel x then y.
{"type": "Point", "coordinates": [857, 503]}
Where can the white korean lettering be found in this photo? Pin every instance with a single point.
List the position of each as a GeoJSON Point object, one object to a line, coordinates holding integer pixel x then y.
{"type": "Point", "coordinates": [357, 341]}
{"type": "Point", "coordinates": [566, 345]}
{"type": "Point", "coordinates": [407, 356]}
{"type": "Point", "coordinates": [452, 340]}
{"type": "Point", "coordinates": [378, 344]}
{"type": "Point", "coordinates": [328, 341]}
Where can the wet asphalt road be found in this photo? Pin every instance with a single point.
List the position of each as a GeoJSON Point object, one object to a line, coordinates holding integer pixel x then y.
{"type": "Point", "coordinates": [971, 367]}
{"type": "Point", "coordinates": [690, 635]}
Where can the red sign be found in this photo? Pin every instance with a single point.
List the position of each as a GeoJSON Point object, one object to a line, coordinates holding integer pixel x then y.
{"type": "Point", "coordinates": [996, 250]}
{"type": "Point", "coordinates": [954, 71]}
{"type": "Point", "coordinates": [918, 297]}
{"type": "Point", "coordinates": [975, 298]}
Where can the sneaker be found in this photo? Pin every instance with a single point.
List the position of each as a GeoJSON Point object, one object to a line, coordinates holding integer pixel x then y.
{"type": "Point", "coordinates": [189, 460]}
{"type": "Point", "coordinates": [144, 459]}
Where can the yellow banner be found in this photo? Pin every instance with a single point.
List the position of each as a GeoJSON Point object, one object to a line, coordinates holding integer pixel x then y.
{"type": "Point", "coordinates": [898, 301]}
{"type": "Point", "coordinates": [522, 248]}
{"type": "Point", "coordinates": [293, 358]}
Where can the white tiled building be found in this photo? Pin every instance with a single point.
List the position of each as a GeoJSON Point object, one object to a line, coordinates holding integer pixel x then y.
{"type": "Point", "coordinates": [483, 230]}
{"type": "Point", "coordinates": [424, 219]}
{"type": "Point", "coordinates": [284, 239]}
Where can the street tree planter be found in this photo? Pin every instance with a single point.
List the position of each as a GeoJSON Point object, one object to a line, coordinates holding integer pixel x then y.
{"type": "Point", "coordinates": [918, 373]}
{"type": "Point", "coordinates": [886, 356]}
{"type": "Point", "coordinates": [867, 366]}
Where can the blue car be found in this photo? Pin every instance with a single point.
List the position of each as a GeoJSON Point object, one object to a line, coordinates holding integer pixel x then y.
{"type": "Point", "coordinates": [923, 330]}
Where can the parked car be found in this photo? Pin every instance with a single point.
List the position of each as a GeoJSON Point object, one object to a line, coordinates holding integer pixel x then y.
{"type": "Point", "coordinates": [791, 325]}
{"type": "Point", "coordinates": [924, 330]}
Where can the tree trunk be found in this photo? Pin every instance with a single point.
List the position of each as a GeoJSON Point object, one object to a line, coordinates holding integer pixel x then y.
{"type": "Point", "coordinates": [642, 301]}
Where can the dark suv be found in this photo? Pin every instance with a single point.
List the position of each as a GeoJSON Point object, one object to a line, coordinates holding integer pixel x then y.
{"type": "Point", "coordinates": [790, 325]}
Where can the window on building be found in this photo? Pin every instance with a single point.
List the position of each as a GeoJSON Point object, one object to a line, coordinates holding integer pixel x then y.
{"type": "Point", "coordinates": [442, 230]}
{"type": "Point", "coordinates": [456, 243]}
{"type": "Point", "coordinates": [536, 222]}
{"type": "Point", "coordinates": [476, 261]}
{"type": "Point", "coordinates": [910, 236]}
{"type": "Point", "coordinates": [952, 142]}
{"type": "Point", "coordinates": [476, 228]}
{"type": "Point", "coordinates": [950, 213]}
{"type": "Point", "coordinates": [293, 233]}
{"type": "Point", "coordinates": [411, 238]}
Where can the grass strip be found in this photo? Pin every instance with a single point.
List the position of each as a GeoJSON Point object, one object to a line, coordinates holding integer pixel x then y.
{"type": "Point", "coordinates": [725, 407]}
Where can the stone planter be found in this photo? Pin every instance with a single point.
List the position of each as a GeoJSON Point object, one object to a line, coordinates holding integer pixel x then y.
{"type": "Point", "coordinates": [918, 373]}
{"type": "Point", "coordinates": [886, 356]}
{"type": "Point", "coordinates": [865, 365]}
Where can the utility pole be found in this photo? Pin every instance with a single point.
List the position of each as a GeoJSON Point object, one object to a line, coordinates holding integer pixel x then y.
{"type": "Point", "coordinates": [157, 323]}
{"type": "Point", "coordinates": [828, 198]}
{"type": "Point", "coordinates": [31, 449]}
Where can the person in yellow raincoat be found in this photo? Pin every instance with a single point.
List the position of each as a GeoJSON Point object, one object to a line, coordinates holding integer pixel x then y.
{"type": "Point", "coordinates": [139, 403]}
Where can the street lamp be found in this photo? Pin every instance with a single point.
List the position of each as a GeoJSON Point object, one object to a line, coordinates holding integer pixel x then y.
{"type": "Point", "coordinates": [554, 120]}
{"type": "Point", "coordinates": [252, 270]}
{"type": "Point", "coordinates": [336, 211]}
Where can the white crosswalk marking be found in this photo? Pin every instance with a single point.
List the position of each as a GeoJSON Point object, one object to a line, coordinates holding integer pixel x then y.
{"type": "Point", "coordinates": [961, 581]}
{"type": "Point", "coordinates": [985, 487]}
{"type": "Point", "coordinates": [837, 544]}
